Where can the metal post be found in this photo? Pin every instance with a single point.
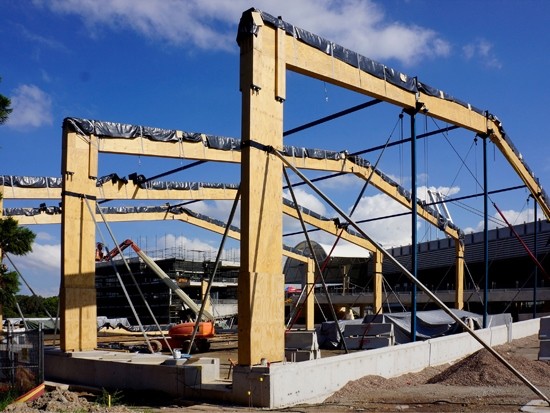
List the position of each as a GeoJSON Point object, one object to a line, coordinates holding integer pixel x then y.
{"type": "Point", "coordinates": [535, 236]}
{"type": "Point", "coordinates": [414, 215]}
{"type": "Point", "coordinates": [485, 234]}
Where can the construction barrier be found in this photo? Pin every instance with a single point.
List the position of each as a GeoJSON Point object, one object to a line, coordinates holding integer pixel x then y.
{"type": "Point", "coordinates": [21, 362]}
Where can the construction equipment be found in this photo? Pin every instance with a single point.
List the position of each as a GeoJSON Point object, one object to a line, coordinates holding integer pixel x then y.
{"type": "Point", "coordinates": [180, 334]}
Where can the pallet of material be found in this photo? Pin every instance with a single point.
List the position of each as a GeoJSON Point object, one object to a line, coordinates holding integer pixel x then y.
{"type": "Point", "coordinates": [369, 336]}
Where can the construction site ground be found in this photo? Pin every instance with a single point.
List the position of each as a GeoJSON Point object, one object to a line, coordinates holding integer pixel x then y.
{"type": "Point", "coordinates": [478, 383]}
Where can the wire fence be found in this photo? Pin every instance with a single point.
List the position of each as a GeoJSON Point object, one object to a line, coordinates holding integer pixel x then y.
{"type": "Point", "coordinates": [21, 361]}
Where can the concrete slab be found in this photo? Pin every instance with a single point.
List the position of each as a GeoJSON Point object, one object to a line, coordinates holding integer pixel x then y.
{"type": "Point", "coordinates": [276, 385]}
{"type": "Point", "coordinates": [536, 406]}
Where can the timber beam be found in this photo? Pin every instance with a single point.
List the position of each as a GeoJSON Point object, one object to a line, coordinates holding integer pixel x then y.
{"type": "Point", "coordinates": [319, 64]}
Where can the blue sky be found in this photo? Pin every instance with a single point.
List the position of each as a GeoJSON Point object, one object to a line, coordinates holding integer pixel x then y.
{"type": "Point", "coordinates": [175, 64]}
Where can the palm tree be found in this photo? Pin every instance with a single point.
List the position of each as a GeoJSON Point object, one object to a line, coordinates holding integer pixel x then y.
{"type": "Point", "coordinates": [15, 240]}
{"type": "Point", "coordinates": [5, 109]}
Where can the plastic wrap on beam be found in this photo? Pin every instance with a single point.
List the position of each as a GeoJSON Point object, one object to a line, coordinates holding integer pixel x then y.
{"type": "Point", "coordinates": [322, 154]}
{"type": "Point", "coordinates": [312, 39]}
{"type": "Point", "coordinates": [400, 79]}
{"type": "Point", "coordinates": [385, 177]}
{"type": "Point", "coordinates": [114, 178]}
{"type": "Point", "coordinates": [133, 209]}
{"type": "Point", "coordinates": [294, 151]}
{"type": "Point", "coordinates": [217, 222]}
{"type": "Point", "coordinates": [371, 67]}
{"type": "Point", "coordinates": [248, 27]}
{"type": "Point", "coordinates": [507, 139]}
{"type": "Point", "coordinates": [359, 161]}
{"type": "Point", "coordinates": [30, 181]}
{"type": "Point", "coordinates": [105, 129]}
{"type": "Point", "coordinates": [186, 186]}
{"type": "Point", "coordinates": [30, 212]}
{"type": "Point", "coordinates": [306, 211]}
{"type": "Point", "coordinates": [223, 143]}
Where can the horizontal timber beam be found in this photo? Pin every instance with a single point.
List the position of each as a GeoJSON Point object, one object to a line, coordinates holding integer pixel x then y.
{"type": "Point", "coordinates": [120, 191]}
{"type": "Point", "coordinates": [315, 63]}
{"type": "Point", "coordinates": [327, 226]}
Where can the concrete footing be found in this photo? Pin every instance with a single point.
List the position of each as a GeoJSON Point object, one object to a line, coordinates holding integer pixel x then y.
{"type": "Point", "coordinates": [274, 385]}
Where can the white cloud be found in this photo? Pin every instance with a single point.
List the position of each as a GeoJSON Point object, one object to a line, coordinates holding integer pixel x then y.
{"type": "Point", "coordinates": [176, 22]}
{"type": "Point", "coordinates": [395, 231]}
{"type": "Point", "coordinates": [45, 257]}
{"type": "Point", "coordinates": [513, 217]}
{"type": "Point", "coordinates": [38, 40]}
{"type": "Point", "coordinates": [44, 236]}
{"type": "Point", "coordinates": [219, 210]}
{"type": "Point", "coordinates": [32, 107]}
{"type": "Point", "coordinates": [483, 50]}
{"type": "Point", "coordinates": [194, 248]}
{"type": "Point", "coordinates": [445, 191]}
{"type": "Point", "coordinates": [341, 183]}
{"type": "Point", "coordinates": [173, 241]}
{"type": "Point", "coordinates": [307, 200]}
{"type": "Point", "coordinates": [360, 25]}
{"type": "Point", "coordinates": [41, 269]}
{"type": "Point", "coordinates": [387, 232]}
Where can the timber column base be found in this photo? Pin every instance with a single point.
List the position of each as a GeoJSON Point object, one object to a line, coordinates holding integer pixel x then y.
{"type": "Point", "coordinates": [79, 319]}
{"type": "Point", "coordinates": [261, 318]}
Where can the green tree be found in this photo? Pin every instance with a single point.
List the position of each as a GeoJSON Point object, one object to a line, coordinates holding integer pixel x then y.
{"type": "Point", "coordinates": [32, 306]}
{"type": "Point", "coordinates": [5, 109]}
{"type": "Point", "coordinates": [14, 240]}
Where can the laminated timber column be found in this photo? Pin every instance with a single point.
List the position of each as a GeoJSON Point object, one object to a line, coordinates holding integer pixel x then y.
{"type": "Point", "coordinates": [78, 295]}
{"type": "Point", "coordinates": [261, 281]}
{"type": "Point", "coordinates": [205, 298]}
{"type": "Point", "coordinates": [310, 294]}
{"type": "Point", "coordinates": [459, 281]}
{"type": "Point", "coordinates": [377, 289]}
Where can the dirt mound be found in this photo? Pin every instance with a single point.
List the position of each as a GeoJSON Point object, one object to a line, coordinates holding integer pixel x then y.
{"type": "Point", "coordinates": [63, 401]}
{"type": "Point", "coordinates": [367, 384]}
{"type": "Point", "coordinates": [483, 369]}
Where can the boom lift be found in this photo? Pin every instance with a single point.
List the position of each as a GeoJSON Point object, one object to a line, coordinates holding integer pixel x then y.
{"type": "Point", "coordinates": [180, 334]}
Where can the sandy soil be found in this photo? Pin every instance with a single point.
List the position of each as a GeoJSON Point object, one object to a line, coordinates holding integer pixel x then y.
{"type": "Point", "coordinates": [478, 383]}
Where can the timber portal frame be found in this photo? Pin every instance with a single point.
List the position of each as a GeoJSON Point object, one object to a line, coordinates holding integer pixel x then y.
{"type": "Point", "coordinates": [265, 43]}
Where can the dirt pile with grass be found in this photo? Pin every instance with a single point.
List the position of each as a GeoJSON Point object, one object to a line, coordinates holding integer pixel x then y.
{"type": "Point", "coordinates": [66, 401]}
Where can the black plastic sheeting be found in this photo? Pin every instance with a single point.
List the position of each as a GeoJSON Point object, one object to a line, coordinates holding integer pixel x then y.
{"type": "Point", "coordinates": [186, 186]}
{"type": "Point", "coordinates": [247, 27]}
{"type": "Point", "coordinates": [30, 212]}
{"type": "Point", "coordinates": [41, 182]}
{"type": "Point", "coordinates": [223, 143]}
{"type": "Point", "coordinates": [51, 182]}
{"type": "Point", "coordinates": [105, 129]}
{"type": "Point", "coordinates": [108, 129]}
{"type": "Point", "coordinates": [30, 181]}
